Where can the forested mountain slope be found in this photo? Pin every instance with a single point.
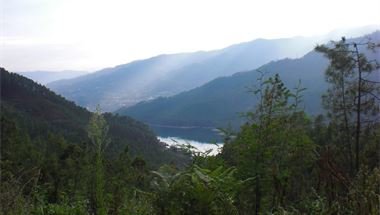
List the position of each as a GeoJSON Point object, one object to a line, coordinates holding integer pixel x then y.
{"type": "Point", "coordinates": [39, 113]}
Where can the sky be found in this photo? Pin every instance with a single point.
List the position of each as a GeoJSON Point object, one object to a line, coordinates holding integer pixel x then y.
{"type": "Point", "coordinates": [57, 35]}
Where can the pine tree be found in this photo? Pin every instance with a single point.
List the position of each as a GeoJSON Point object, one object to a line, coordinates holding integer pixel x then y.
{"type": "Point", "coordinates": [352, 99]}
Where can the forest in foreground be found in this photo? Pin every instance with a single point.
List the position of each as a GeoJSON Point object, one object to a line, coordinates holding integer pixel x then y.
{"type": "Point", "coordinates": [57, 158]}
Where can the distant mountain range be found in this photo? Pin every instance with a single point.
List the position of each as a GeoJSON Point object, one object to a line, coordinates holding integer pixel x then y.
{"type": "Point", "coordinates": [219, 102]}
{"type": "Point", "coordinates": [167, 75]}
{"type": "Point", "coordinates": [44, 77]}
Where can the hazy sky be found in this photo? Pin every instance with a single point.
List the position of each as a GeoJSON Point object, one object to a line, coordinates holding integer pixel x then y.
{"type": "Point", "coordinates": [92, 34]}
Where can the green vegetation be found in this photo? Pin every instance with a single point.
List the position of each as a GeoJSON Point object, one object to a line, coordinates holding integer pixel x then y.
{"type": "Point", "coordinates": [282, 161]}
{"type": "Point", "coordinates": [38, 112]}
{"type": "Point", "coordinates": [97, 132]}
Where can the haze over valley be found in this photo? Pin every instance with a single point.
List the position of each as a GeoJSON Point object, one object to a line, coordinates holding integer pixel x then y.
{"type": "Point", "coordinates": [45, 77]}
{"type": "Point", "coordinates": [167, 75]}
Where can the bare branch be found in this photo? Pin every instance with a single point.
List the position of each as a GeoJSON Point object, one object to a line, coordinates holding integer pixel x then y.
{"type": "Point", "coordinates": [375, 82]}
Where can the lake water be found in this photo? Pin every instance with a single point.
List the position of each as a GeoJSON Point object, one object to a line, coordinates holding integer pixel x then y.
{"type": "Point", "coordinates": [198, 146]}
{"type": "Point", "coordinates": [200, 134]}
{"type": "Point", "coordinates": [202, 138]}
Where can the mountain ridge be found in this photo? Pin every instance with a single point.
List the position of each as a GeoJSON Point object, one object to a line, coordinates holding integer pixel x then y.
{"type": "Point", "coordinates": [45, 77]}
{"type": "Point", "coordinates": [219, 102]}
{"type": "Point", "coordinates": [170, 74]}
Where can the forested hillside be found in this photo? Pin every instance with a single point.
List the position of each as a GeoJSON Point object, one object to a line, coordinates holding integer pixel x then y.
{"type": "Point", "coordinates": [37, 113]}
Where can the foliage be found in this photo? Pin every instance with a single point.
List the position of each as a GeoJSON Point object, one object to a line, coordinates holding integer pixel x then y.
{"type": "Point", "coordinates": [97, 132]}
{"type": "Point", "coordinates": [37, 111]}
{"type": "Point", "coordinates": [274, 148]}
{"type": "Point", "coordinates": [196, 191]}
{"type": "Point", "coordinates": [351, 99]}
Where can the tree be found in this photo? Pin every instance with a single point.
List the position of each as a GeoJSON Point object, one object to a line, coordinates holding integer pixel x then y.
{"type": "Point", "coordinates": [353, 98]}
{"type": "Point", "coordinates": [97, 132]}
{"type": "Point", "coordinates": [273, 147]}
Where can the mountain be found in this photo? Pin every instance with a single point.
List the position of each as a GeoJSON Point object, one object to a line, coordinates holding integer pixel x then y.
{"type": "Point", "coordinates": [167, 75]}
{"type": "Point", "coordinates": [219, 102]}
{"type": "Point", "coordinates": [44, 77]}
{"type": "Point", "coordinates": [39, 113]}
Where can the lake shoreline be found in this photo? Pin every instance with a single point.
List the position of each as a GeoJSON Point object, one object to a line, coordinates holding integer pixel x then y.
{"type": "Point", "coordinates": [198, 146]}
